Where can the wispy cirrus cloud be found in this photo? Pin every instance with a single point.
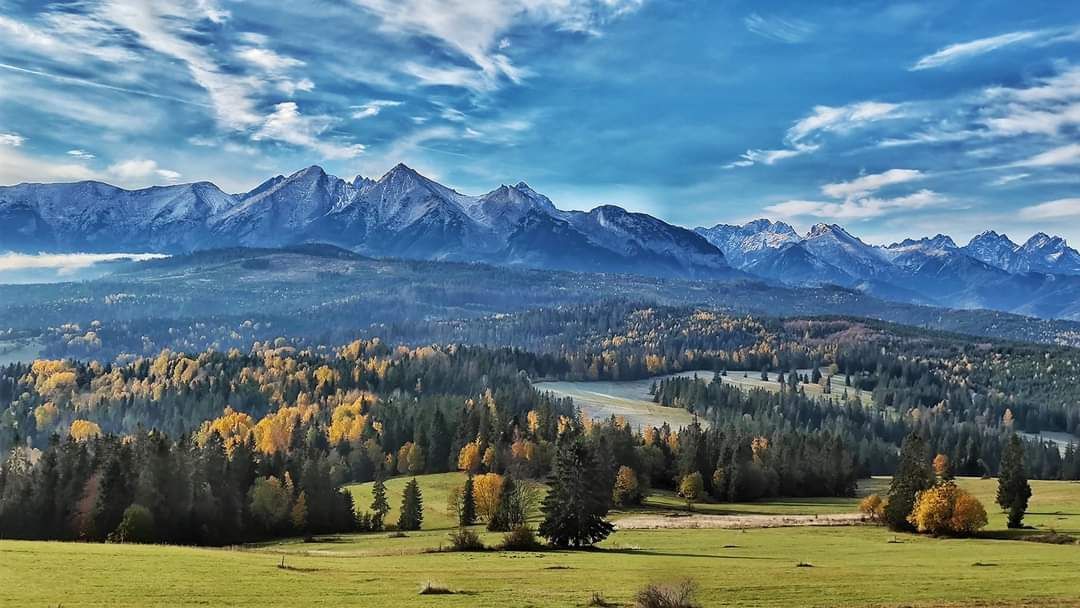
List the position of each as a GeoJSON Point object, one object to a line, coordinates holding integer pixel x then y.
{"type": "Point", "coordinates": [373, 108]}
{"type": "Point", "coordinates": [858, 200]}
{"type": "Point", "coordinates": [1052, 210]}
{"type": "Point", "coordinates": [779, 29]}
{"type": "Point", "coordinates": [1062, 155]}
{"type": "Point", "coordinates": [860, 208]}
{"type": "Point", "coordinates": [871, 183]}
{"type": "Point", "coordinates": [805, 135]}
{"type": "Point", "coordinates": [981, 46]}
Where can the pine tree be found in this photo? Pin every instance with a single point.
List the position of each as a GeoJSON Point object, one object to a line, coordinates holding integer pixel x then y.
{"type": "Point", "coordinates": [1013, 487]}
{"type": "Point", "coordinates": [576, 504]}
{"type": "Point", "coordinates": [379, 505]}
{"type": "Point", "coordinates": [467, 508]}
{"type": "Point", "coordinates": [412, 507]}
{"type": "Point", "coordinates": [913, 475]}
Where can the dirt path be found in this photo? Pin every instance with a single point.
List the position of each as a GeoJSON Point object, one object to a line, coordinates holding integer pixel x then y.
{"type": "Point", "coordinates": [734, 522]}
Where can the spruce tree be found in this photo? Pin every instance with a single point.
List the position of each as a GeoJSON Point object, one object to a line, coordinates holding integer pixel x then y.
{"type": "Point", "coordinates": [576, 504]}
{"type": "Point", "coordinates": [1013, 487]}
{"type": "Point", "coordinates": [913, 475]}
{"type": "Point", "coordinates": [412, 507]}
{"type": "Point", "coordinates": [467, 508]}
{"type": "Point", "coordinates": [379, 505]}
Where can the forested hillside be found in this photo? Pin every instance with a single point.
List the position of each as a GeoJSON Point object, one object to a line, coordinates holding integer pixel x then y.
{"type": "Point", "coordinates": [87, 439]}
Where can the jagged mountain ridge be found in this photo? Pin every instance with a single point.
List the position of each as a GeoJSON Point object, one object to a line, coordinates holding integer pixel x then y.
{"type": "Point", "coordinates": [1040, 277]}
{"type": "Point", "coordinates": [402, 214]}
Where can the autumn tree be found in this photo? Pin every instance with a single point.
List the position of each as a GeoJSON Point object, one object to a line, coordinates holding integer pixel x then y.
{"type": "Point", "coordinates": [942, 467]}
{"type": "Point", "coordinates": [627, 490]}
{"type": "Point", "coordinates": [913, 475]}
{"type": "Point", "coordinates": [947, 509]}
{"type": "Point", "coordinates": [692, 488]}
{"type": "Point", "coordinates": [576, 504]}
{"type": "Point", "coordinates": [469, 458]}
{"type": "Point", "coordinates": [487, 491]}
{"type": "Point", "coordinates": [1013, 487]}
{"type": "Point", "coordinates": [412, 507]}
{"type": "Point", "coordinates": [873, 507]}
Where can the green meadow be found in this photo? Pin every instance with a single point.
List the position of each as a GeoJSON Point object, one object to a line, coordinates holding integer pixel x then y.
{"type": "Point", "coordinates": [859, 565]}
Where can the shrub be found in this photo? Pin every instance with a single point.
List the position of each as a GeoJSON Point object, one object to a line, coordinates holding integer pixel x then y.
{"type": "Point", "coordinates": [947, 509]}
{"type": "Point", "coordinates": [597, 601]}
{"type": "Point", "coordinates": [680, 595]}
{"type": "Point", "coordinates": [520, 538]}
{"type": "Point", "coordinates": [464, 539]}
{"type": "Point", "coordinates": [873, 507]}
{"type": "Point", "coordinates": [137, 526]}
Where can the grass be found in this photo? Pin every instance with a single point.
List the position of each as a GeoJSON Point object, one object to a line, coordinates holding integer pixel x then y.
{"type": "Point", "coordinates": [852, 566]}
{"type": "Point", "coordinates": [434, 488]}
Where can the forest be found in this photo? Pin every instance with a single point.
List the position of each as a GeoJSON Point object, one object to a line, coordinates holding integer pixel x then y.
{"type": "Point", "coordinates": [216, 447]}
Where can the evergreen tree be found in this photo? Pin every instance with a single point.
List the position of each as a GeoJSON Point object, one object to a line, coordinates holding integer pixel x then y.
{"type": "Point", "coordinates": [412, 507]}
{"type": "Point", "coordinates": [467, 508]}
{"type": "Point", "coordinates": [913, 475]}
{"type": "Point", "coordinates": [576, 504]}
{"type": "Point", "coordinates": [1013, 487]}
{"type": "Point", "coordinates": [379, 505]}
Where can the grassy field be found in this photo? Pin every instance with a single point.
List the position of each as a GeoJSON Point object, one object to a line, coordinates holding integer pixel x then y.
{"type": "Point", "coordinates": [631, 399]}
{"type": "Point", "coordinates": [850, 566]}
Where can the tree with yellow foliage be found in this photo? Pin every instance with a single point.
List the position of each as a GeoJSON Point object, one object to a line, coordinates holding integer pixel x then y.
{"type": "Point", "coordinates": [81, 430]}
{"type": "Point", "coordinates": [487, 490]}
{"type": "Point", "coordinates": [469, 458]}
{"type": "Point", "coordinates": [873, 507]}
{"type": "Point", "coordinates": [626, 490]}
{"type": "Point", "coordinates": [942, 467]}
{"type": "Point", "coordinates": [947, 509]}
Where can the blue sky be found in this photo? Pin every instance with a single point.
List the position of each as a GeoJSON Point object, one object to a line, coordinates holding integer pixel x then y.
{"type": "Point", "coordinates": [894, 119]}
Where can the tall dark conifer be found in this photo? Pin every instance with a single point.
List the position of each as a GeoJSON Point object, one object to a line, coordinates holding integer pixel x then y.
{"type": "Point", "coordinates": [913, 475]}
{"type": "Point", "coordinates": [576, 504]}
{"type": "Point", "coordinates": [1013, 487]}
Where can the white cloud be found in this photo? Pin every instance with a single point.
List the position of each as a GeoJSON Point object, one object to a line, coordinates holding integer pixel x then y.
{"type": "Point", "coordinates": [843, 118]}
{"type": "Point", "coordinates": [16, 167]}
{"type": "Point", "coordinates": [81, 154]}
{"type": "Point", "coordinates": [373, 108]}
{"type": "Point", "coordinates": [871, 183]}
{"type": "Point", "coordinates": [769, 157]}
{"type": "Point", "coordinates": [1061, 208]}
{"type": "Point", "coordinates": [966, 50]}
{"type": "Point", "coordinates": [140, 172]}
{"type": "Point", "coordinates": [856, 208]}
{"type": "Point", "coordinates": [268, 60]}
{"type": "Point", "coordinates": [162, 26]}
{"type": "Point", "coordinates": [1008, 179]}
{"type": "Point", "coordinates": [11, 139]}
{"type": "Point", "coordinates": [1063, 155]}
{"type": "Point", "coordinates": [288, 125]}
{"type": "Point", "coordinates": [790, 31]}
{"type": "Point", "coordinates": [474, 28]}
{"type": "Point", "coordinates": [974, 48]}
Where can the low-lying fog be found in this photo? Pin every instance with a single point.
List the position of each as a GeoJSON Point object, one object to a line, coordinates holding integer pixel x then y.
{"type": "Point", "coordinates": [20, 268]}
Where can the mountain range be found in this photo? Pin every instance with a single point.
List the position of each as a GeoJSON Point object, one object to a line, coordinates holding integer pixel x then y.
{"type": "Point", "coordinates": [402, 214]}
{"type": "Point", "coordinates": [406, 215]}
